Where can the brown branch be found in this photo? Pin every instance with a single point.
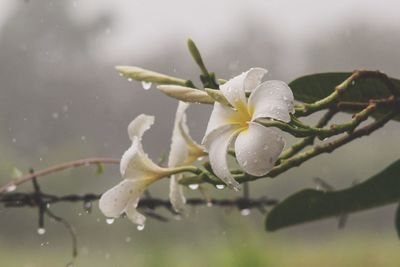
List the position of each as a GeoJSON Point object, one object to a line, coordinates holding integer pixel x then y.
{"type": "Point", "coordinates": [57, 168]}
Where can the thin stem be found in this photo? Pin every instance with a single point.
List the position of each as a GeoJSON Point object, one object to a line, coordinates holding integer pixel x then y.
{"type": "Point", "coordinates": [300, 158]}
{"type": "Point", "coordinates": [297, 147]}
{"type": "Point", "coordinates": [296, 128]}
{"type": "Point", "coordinates": [327, 147]}
{"type": "Point", "coordinates": [57, 168]}
{"type": "Point", "coordinates": [333, 98]}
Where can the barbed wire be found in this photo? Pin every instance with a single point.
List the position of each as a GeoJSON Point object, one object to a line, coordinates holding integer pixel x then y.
{"type": "Point", "coordinates": [148, 206]}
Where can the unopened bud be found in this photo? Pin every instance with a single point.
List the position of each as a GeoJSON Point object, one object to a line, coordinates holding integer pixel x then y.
{"type": "Point", "coordinates": [218, 96]}
{"type": "Point", "coordinates": [140, 74]}
{"type": "Point", "coordinates": [186, 94]}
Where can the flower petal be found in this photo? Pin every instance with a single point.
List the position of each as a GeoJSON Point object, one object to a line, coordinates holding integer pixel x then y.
{"type": "Point", "coordinates": [135, 164]}
{"type": "Point", "coordinates": [221, 115]}
{"type": "Point", "coordinates": [139, 125]}
{"type": "Point", "coordinates": [273, 109]}
{"type": "Point", "coordinates": [176, 195]}
{"type": "Point", "coordinates": [258, 148]}
{"type": "Point", "coordinates": [114, 202]}
{"type": "Point", "coordinates": [132, 213]}
{"type": "Point", "coordinates": [183, 150]}
{"type": "Point", "coordinates": [253, 78]}
{"type": "Point", "coordinates": [272, 99]}
{"type": "Point", "coordinates": [234, 89]}
{"type": "Point", "coordinates": [217, 145]}
{"type": "Point", "coordinates": [183, 147]}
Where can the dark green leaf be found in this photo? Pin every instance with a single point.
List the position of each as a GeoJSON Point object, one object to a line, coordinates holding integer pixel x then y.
{"type": "Point", "coordinates": [397, 220]}
{"type": "Point", "coordinates": [313, 87]}
{"type": "Point", "coordinates": [309, 204]}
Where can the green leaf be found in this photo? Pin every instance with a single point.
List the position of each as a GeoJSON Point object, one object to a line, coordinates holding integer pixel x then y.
{"type": "Point", "coordinates": [310, 205]}
{"type": "Point", "coordinates": [314, 87]}
{"type": "Point", "coordinates": [397, 220]}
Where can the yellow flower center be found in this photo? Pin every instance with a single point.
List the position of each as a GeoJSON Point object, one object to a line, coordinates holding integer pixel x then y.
{"type": "Point", "coordinates": [242, 116]}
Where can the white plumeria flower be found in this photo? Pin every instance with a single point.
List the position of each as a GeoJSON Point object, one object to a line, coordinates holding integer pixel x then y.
{"type": "Point", "coordinates": [138, 171]}
{"type": "Point", "coordinates": [256, 147]}
{"type": "Point", "coordinates": [184, 151]}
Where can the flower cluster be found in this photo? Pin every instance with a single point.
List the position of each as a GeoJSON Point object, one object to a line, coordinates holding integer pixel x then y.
{"type": "Point", "coordinates": [233, 121]}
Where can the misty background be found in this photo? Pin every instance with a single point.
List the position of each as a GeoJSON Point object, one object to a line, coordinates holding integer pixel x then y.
{"type": "Point", "coordinates": [61, 99]}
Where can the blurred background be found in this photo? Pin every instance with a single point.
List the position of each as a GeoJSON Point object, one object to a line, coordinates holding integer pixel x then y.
{"type": "Point", "coordinates": [61, 99]}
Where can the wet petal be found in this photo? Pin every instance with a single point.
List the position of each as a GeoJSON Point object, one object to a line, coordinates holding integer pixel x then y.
{"type": "Point", "coordinates": [135, 164]}
{"type": "Point", "coordinates": [253, 78]}
{"type": "Point", "coordinates": [272, 99]}
{"type": "Point", "coordinates": [114, 202]}
{"type": "Point", "coordinates": [139, 125]}
{"type": "Point", "coordinates": [234, 89]}
{"type": "Point", "coordinates": [183, 150]}
{"type": "Point", "coordinates": [132, 213]}
{"type": "Point", "coordinates": [220, 116]}
{"type": "Point", "coordinates": [273, 109]}
{"type": "Point", "coordinates": [217, 145]}
{"type": "Point", "coordinates": [258, 148]}
{"type": "Point", "coordinates": [183, 146]}
{"type": "Point", "coordinates": [176, 195]}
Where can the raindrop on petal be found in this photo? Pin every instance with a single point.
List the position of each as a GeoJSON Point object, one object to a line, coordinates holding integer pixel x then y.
{"type": "Point", "coordinates": [140, 227]}
{"type": "Point", "coordinates": [130, 79]}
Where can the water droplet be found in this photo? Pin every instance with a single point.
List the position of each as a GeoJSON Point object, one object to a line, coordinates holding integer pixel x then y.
{"type": "Point", "coordinates": [120, 74]}
{"type": "Point", "coordinates": [194, 186]}
{"type": "Point", "coordinates": [200, 158]}
{"type": "Point", "coordinates": [128, 239]}
{"type": "Point", "coordinates": [353, 82]}
{"type": "Point", "coordinates": [87, 206]}
{"type": "Point", "coordinates": [220, 186]}
{"type": "Point", "coordinates": [245, 212]}
{"type": "Point", "coordinates": [130, 79]}
{"type": "Point", "coordinates": [41, 231]}
{"type": "Point", "coordinates": [140, 227]}
{"type": "Point", "coordinates": [209, 204]}
{"type": "Point", "coordinates": [146, 85]}
{"type": "Point", "coordinates": [110, 220]}
{"type": "Point", "coordinates": [48, 205]}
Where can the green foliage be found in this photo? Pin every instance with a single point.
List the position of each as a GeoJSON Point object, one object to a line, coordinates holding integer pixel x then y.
{"type": "Point", "coordinates": [314, 87]}
{"type": "Point", "coordinates": [397, 220]}
{"type": "Point", "coordinates": [309, 204]}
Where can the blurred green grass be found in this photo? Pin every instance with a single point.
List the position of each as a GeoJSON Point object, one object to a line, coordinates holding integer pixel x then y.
{"type": "Point", "coordinates": [234, 251]}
